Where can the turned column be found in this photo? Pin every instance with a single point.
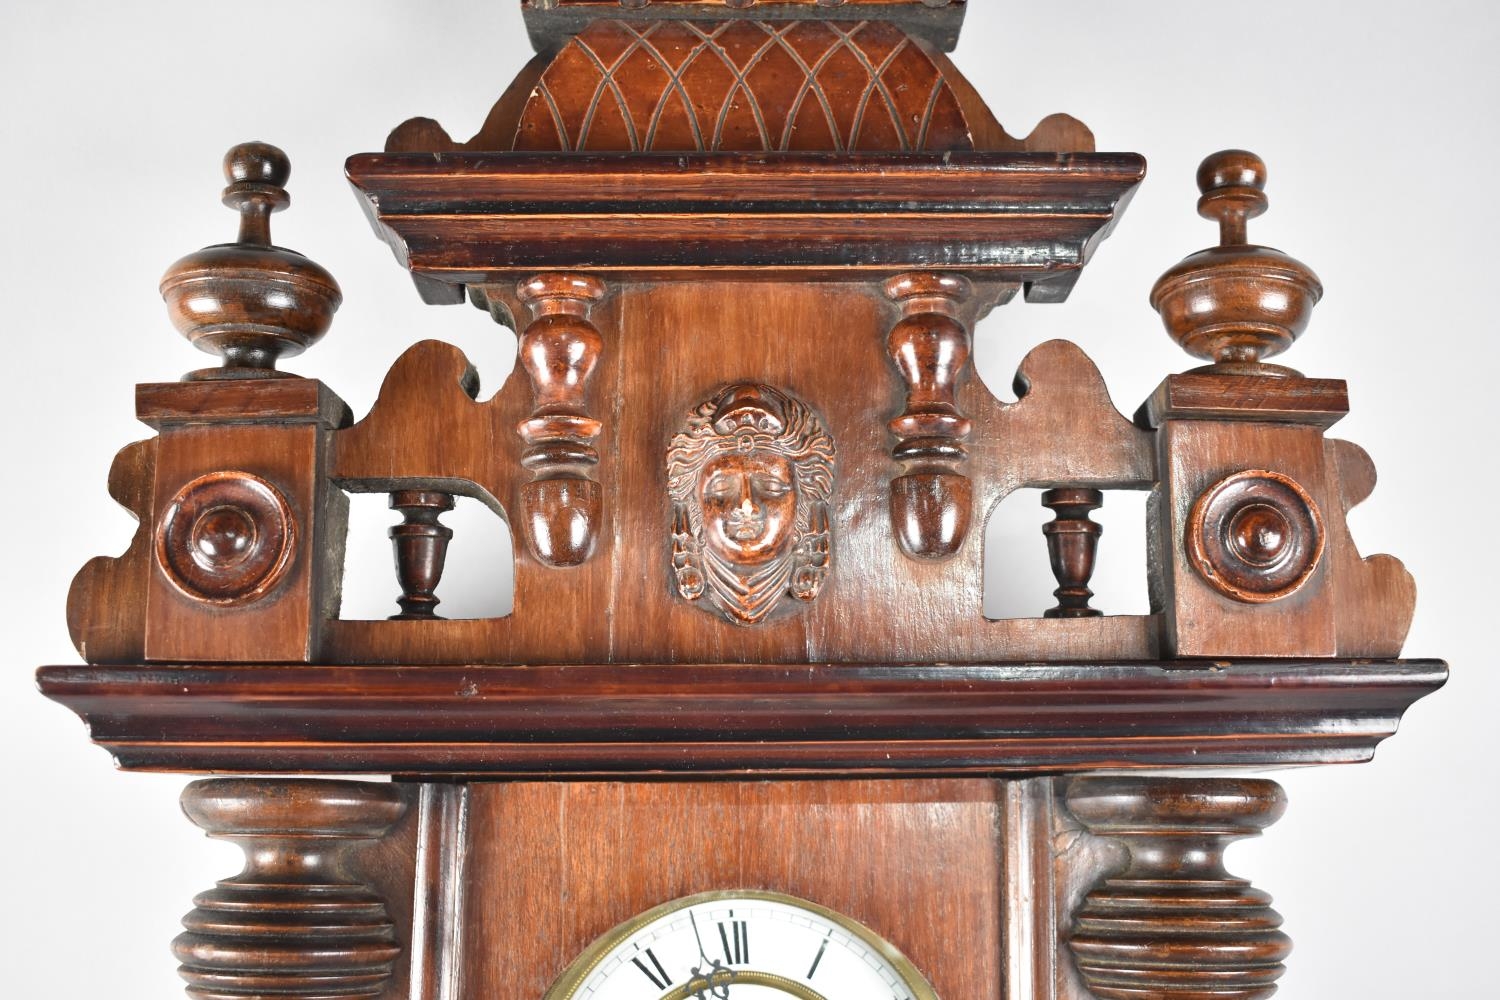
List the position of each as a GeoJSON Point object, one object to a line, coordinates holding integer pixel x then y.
{"type": "Point", "coordinates": [297, 922]}
{"type": "Point", "coordinates": [932, 499]}
{"type": "Point", "coordinates": [1174, 925]}
{"type": "Point", "coordinates": [559, 350]}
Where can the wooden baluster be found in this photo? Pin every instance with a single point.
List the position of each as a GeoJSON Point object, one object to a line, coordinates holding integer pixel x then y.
{"type": "Point", "coordinates": [420, 543]}
{"type": "Point", "coordinates": [559, 351]}
{"type": "Point", "coordinates": [932, 500]}
{"type": "Point", "coordinates": [1072, 542]}
{"type": "Point", "coordinates": [296, 922]}
{"type": "Point", "coordinates": [1174, 925]}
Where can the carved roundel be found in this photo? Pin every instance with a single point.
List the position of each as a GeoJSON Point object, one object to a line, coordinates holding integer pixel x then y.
{"type": "Point", "coordinates": [226, 538]}
{"type": "Point", "coordinates": [1255, 536]}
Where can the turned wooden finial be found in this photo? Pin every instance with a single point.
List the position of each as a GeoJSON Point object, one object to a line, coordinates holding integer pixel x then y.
{"type": "Point", "coordinates": [249, 301]}
{"type": "Point", "coordinates": [1236, 303]}
{"type": "Point", "coordinates": [299, 923]}
{"type": "Point", "coordinates": [1174, 924]}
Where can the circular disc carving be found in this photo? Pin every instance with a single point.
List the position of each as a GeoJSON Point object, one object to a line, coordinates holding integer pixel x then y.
{"type": "Point", "coordinates": [1255, 536]}
{"type": "Point", "coordinates": [226, 538]}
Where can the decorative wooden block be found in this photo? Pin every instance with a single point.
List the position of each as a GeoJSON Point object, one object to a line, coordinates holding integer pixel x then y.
{"type": "Point", "coordinates": [107, 598]}
{"type": "Point", "coordinates": [297, 922]}
{"type": "Point", "coordinates": [240, 532]}
{"type": "Point", "coordinates": [1246, 494]}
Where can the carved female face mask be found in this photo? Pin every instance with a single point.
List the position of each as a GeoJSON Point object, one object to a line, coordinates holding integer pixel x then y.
{"type": "Point", "coordinates": [749, 506]}
{"type": "Point", "coordinates": [750, 478]}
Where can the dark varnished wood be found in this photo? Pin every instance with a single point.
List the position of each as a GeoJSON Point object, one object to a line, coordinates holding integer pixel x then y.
{"type": "Point", "coordinates": [226, 538]}
{"type": "Point", "coordinates": [1236, 303]}
{"type": "Point", "coordinates": [1240, 429]}
{"type": "Point", "coordinates": [559, 350]}
{"type": "Point", "coordinates": [108, 593]}
{"type": "Point", "coordinates": [1256, 536]}
{"type": "Point", "coordinates": [773, 76]}
{"type": "Point", "coordinates": [1072, 544]}
{"type": "Point", "coordinates": [420, 546]}
{"type": "Point", "coordinates": [732, 85]}
{"type": "Point", "coordinates": [299, 921]}
{"type": "Point", "coordinates": [269, 492]}
{"type": "Point", "coordinates": [932, 500]}
{"type": "Point", "coordinates": [1063, 430]}
{"type": "Point", "coordinates": [751, 478]}
{"type": "Point", "coordinates": [250, 301]}
{"type": "Point", "coordinates": [769, 719]}
{"type": "Point", "coordinates": [468, 218]}
{"type": "Point", "coordinates": [715, 226]}
{"type": "Point", "coordinates": [1174, 925]}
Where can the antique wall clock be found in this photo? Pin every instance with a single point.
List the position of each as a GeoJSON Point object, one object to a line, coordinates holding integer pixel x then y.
{"type": "Point", "coordinates": [747, 732]}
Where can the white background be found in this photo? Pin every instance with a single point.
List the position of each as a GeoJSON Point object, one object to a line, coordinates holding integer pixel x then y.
{"type": "Point", "coordinates": [1377, 120]}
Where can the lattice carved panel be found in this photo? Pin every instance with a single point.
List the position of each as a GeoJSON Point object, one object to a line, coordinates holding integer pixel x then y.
{"type": "Point", "coordinates": [685, 86]}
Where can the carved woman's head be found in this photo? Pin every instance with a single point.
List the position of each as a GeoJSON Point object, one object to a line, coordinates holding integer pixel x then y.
{"type": "Point", "coordinates": [750, 477]}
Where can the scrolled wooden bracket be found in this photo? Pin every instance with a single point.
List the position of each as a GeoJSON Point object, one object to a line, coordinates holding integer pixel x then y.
{"type": "Point", "coordinates": [932, 500]}
{"type": "Point", "coordinates": [296, 922]}
{"type": "Point", "coordinates": [1174, 925]}
{"type": "Point", "coordinates": [106, 602]}
{"type": "Point", "coordinates": [559, 351]}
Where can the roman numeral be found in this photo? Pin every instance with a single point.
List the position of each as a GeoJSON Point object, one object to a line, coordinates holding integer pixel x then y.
{"type": "Point", "coordinates": [656, 973]}
{"type": "Point", "coordinates": [736, 939]}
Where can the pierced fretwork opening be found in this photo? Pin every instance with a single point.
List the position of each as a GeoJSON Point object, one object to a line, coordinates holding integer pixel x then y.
{"type": "Point", "coordinates": [1019, 581]}
{"type": "Point", "coordinates": [473, 569]}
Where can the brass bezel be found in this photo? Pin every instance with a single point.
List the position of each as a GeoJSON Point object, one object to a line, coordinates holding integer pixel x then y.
{"type": "Point", "coordinates": [574, 975]}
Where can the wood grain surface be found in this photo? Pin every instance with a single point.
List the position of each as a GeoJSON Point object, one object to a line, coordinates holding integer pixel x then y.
{"type": "Point", "coordinates": [552, 867]}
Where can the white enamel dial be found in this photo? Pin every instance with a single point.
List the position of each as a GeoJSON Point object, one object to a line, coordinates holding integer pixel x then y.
{"type": "Point", "coordinates": [741, 946]}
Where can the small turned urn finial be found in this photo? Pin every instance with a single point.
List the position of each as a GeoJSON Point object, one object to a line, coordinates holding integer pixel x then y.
{"type": "Point", "coordinates": [249, 301]}
{"type": "Point", "coordinates": [1236, 303]}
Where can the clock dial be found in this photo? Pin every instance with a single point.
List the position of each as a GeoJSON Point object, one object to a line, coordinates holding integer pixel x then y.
{"type": "Point", "coordinates": [741, 945]}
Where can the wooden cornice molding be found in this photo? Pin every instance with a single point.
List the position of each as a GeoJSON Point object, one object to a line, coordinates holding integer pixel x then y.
{"type": "Point", "coordinates": [744, 719]}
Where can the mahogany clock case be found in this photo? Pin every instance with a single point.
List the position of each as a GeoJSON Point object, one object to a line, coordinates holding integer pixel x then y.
{"type": "Point", "coordinates": [1372, 123]}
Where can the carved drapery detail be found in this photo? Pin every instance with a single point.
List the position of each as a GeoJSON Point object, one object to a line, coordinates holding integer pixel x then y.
{"type": "Point", "coordinates": [750, 478]}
